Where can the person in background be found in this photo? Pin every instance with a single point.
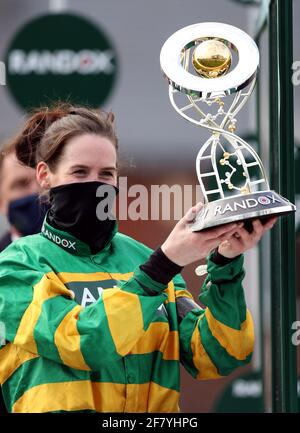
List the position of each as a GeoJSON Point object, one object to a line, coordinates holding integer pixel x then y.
{"type": "Point", "coordinates": [19, 197]}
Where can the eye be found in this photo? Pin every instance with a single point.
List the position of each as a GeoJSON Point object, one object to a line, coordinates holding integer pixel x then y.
{"type": "Point", "coordinates": [20, 184]}
{"type": "Point", "coordinates": [80, 172]}
{"type": "Point", "coordinates": [107, 173]}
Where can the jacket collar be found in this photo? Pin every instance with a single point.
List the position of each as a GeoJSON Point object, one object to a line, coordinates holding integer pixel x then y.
{"type": "Point", "coordinates": [70, 243]}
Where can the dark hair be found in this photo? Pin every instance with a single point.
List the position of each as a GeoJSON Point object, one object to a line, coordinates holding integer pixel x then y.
{"type": "Point", "coordinates": [48, 130]}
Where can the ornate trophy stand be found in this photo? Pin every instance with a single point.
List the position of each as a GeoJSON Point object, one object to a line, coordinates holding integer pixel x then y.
{"type": "Point", "coordinates": [198, 61]}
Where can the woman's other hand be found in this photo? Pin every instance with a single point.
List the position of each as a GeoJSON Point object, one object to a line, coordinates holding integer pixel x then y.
{"type": "Point", "coordinates": [242, 240]}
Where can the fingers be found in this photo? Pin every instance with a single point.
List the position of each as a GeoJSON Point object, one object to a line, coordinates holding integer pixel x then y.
{"type": "Point", "coordinates": [259, 229]}
{"type": "Point", "coordinates": [228, 235]}
{"type": "Point", "coordinates": [235, 233]}
{"type": "Point", "coordinates": [222, 231]}
{"type": "Point", "coordinates": [239, 239]}
{"type": "Point", "coordinates": [192, 212]}
{"type": "Point", "coordinates": [242, 235]}
{"type": "Point", "coordinates": [213, 242]}
{"type": "Point", "coordinates": [270, 223]}
{"type": "Point", "coordinates": [234, 243]}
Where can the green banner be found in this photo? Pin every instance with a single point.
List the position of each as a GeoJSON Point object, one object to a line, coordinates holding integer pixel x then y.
{"type": "Point", "coordinates": [60, 56]}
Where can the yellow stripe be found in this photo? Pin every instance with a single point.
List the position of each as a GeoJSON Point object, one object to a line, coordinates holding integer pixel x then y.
{"type": "Point", "coordinates": [68, 277]}
{"type": "Point", "coordinates": [161, 399]}
{"type": "Point", "coordinates": [183, 293]}
{"type": "Point", "coordinates": [171, 349]}
{"type": "Point", "coordinates": [123, 310]}
{"type": "Point", "coordinates": [11, 358]}
{"type": "Point", "coordinates": [173, 293]}
{"type": "Point", "coordinates": [204, 365]}
{"type": "Point", "coordinates": [49, 287]}
{"type": "Point", "coordinates": [71, 396]}
{"type": "Point", "coordinates": [170, 292]}
{"type": "Point", "coordinates": [151, 397]}
{"type": "Point", "coordinates": [238, 343]}
{"type": "Point", "coordinates": [158, 337]}
{"type": "Point", "coordinates": [67, 341]}
{"type": "Point", "coordinates": [101, 397]}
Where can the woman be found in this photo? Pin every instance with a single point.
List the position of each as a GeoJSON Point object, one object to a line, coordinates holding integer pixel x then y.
{"type": "Point", "coordinates": [94, 320]}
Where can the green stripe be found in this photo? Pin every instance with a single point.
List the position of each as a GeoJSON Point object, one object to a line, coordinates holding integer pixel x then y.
{"type": "Point", "coordinates": [160, 319]}
{"type": "Point", "coordinates": [227, 271]}
{"type": "Point", "coordinates": [149, 306]}
{"type": "Point", "coordinates": [113, 373]}
{"type": "Point", "coordinates": [6, 397]}
{"type": "Point", "coordinates": [186, 329]}
{"type": "Point", "coordinates": [144, 279]}
{"type": "Point", "coordinates": [97, 347]}
{"type": "Point", "coordinates": [226, 301]}
{"type": "Point", "coordinates": [55, 308]}
{"type": "Point", "coordinates": [151, 366]}
{"type": "Point", "coordinates": [224, 362]}
{"type": "Point", "coordinates": [141, 368]}
{"type": "Point", "coordinates": [172, 315]}
{"type": "Point", "coordinates": [14, 297]}
{"type": "Point", "coordinates": [169, 316]}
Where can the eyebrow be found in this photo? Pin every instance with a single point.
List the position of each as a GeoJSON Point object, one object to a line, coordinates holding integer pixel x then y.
{"type": "Point", "coordinates": [21, 179]}
{"type": "Point", "coordinates": [80, 166]}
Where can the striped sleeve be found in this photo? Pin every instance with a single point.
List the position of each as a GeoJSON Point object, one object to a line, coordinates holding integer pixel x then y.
{"type": "Point", "coordinates": [40, 317]}
{"type": "Point", "coordinates": [216, 339]}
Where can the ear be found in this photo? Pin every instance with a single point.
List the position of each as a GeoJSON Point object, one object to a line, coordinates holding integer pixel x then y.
{"type": "Point", "coordinates": [2, 207]}
{"type": "Point", "coordinates": [43, 175]}
{"type": "Point", "coordinates": [3, 200]}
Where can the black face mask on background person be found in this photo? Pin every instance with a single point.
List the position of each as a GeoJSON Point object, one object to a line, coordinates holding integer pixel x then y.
{"type": "Point", "coordinates": [76, 208]}
{"type": "Point", "coordinates": [27, 214]}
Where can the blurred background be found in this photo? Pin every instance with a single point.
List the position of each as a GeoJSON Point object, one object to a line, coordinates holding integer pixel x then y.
{"type": "Point", "coordinates": [118, 69]}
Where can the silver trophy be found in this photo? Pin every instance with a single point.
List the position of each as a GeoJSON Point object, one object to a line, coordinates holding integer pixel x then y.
{"type": "Point", "coordinates": [207, 65]}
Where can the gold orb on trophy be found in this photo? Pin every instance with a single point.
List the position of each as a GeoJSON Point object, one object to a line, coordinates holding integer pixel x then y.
{"type": "Point", "coordinates": [211, 58]}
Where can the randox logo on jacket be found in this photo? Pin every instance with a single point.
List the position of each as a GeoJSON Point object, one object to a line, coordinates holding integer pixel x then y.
{"type": "Point", "coordinates": [61, 241]}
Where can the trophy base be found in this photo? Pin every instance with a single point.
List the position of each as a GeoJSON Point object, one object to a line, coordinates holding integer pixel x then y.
{"type": "Point", "coordinates": [261, 204]}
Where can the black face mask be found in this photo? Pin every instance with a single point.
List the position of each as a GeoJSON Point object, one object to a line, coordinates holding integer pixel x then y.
{"type": "Point", "coordinates": [84, 211]}
{"type": "Point", "coordinates": [27, 214]}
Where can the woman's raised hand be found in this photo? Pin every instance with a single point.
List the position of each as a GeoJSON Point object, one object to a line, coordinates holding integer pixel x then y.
{"type": "Point", "coordinates": [184, 246]}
